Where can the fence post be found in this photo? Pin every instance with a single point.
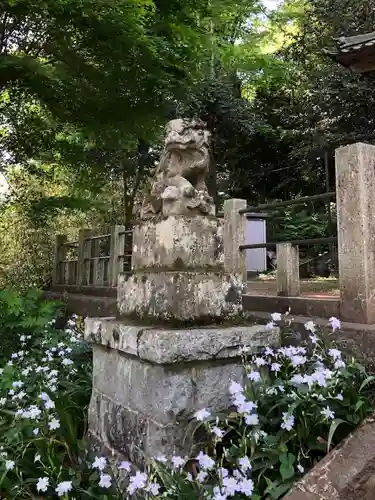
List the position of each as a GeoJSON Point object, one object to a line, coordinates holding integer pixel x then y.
{"type": "Point", "coordinates": [355, 195]}
{"type": "Point", "coordinates": [59, 256]}
{"type": "Point", "coordinates": [117, 248]}
{"type": "Point", "coordinates": [287, 271]}
{"type": "Point", "coordinates": [84, 252]}
{"type": "Point", "coordinates": [234, 236]}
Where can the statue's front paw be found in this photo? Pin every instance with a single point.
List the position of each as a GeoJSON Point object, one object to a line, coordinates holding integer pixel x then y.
{"type": "Point", "coordinates": [189, 191]}
{"type": "Point", "coordinates": [171, 193]}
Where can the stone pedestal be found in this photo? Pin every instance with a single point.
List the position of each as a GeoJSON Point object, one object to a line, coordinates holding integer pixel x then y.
{"type": "Point", "coordinates": [179, 273]}
{"type": "Point", "coordinates": [148, 382]}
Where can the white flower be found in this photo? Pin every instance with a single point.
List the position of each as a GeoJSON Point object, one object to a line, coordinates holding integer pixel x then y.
{"type": "Point", "coordinates": [246, 486]}
{"type": "Point", "coordinates": [33, 412]}
{"type": "Point", "coordinates": [221, 472]}
{"type": "Point", "coordinates": [218, 495]}
{"type": "Point", "coordinates": [37, 457]}
{"type": "Point", "coordinates": [334, 353]}
{"type": "Point", "coordinates": [42, 484]}
{"type": "Point", "coordinates": [259, 362]}
{"type": "Point", "coordinates": [9, 464]}
{"type": "Point", "coordinates": [268, 351]}
{"type": "Point", "coordinates": [252, 419]}
{"type": "Point", "coordinates": [178, 461]}
{"type": "Point", "coordinates": [14, 355]}
{"type": "Point", "coordinates": [310, 326]}
{"type": "Point", "coordinates": [340, 397]}
{"type": "Point", "coordinates": [298, 360]}
{"type": "Point", "coordinates": [125, 465]}
{"type": "Point", "coordinates": [54, 424]}
{"type": "Point", "coordinates": [300, 468]}
{"type": "Point", "coordinates": [314, 339]}
{"type": "Point", "coordinates": [218, 432]}
{"type": "Point", "coordinates": [99, 463]}
{"type": "Point", "coordinates": [276, 316]}
{"type": "Point", "coordinates": [63, 488]}
{"type": "Point", "coordinates": [275, 367]}
{"type": "Point", "coordinates": [202, 415]}
{"type": "Point", "coordinates": [270, 325]}
{"type": "Point", "coordinates": [288, 421]}
{"type": "Point", "coordinates": [205, 461]}
{"type": "Point", "coordinates": [339, 363]}
{"type": "Point", "coordinates": [254, 376]}
{"type": "Point", "coordinates": [3, 401]}
{"type": "Point", "coordinates": [35, 431]}
{"type": "Point", "coordinates": [230, 485]}
{"type": "Point", "coordinates": [105, 481]}
{"type": "Point", "coordinates": [17, 384]}
{"type": "Point", "coordinates": [153, 488]}
{"type": "Point", "coordinates": [202, 476]}
{"type": "Point", "coordinates": [245, 463]}
{"type": "Point", "coordinates": [235, 388]}
{"type": "Point", "coordinates": [335, 323]}
{"type": "Point", "coordinates": [298, 379]}
{"type": "Point", "coordinates": [328, 413]}
{"type": "Point", "coordinates": [137, 482]}
{"type": "Point", "coordinates": [67, 362]}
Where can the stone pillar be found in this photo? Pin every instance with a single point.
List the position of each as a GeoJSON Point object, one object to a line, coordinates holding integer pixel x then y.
{"type": "Point", "coordinates": [287, 273]}
{"type": "Point", "coordinates": [355, 187]}
{"type": "Point", "coordinates": [234, 236]}
{"type": "Point", "coordinates": [148, 382]}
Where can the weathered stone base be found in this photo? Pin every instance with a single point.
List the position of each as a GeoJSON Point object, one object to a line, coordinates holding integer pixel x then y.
{"type": "Point", "coordinates": [147, 383]}
{"type": "Point", "coordinates": [179, 243]}
{"type": "Point", "coordinates": [182, 296]}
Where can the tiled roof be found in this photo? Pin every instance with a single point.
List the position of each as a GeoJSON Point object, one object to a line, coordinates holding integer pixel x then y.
{"type": "Point", "coordinates": [353, 43]}
{"type": "Point", "coordinates": [355, 52]}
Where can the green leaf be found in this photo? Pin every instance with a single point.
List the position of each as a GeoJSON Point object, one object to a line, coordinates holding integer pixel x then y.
{"type": "Point", "coordinates": [280, 490]}
{"type": "Point", "coordinates": [334, 425]}
{"type": "Point", "coordinates": [366, 382]}
{"type": "Point", "coordinates": [286, 471]}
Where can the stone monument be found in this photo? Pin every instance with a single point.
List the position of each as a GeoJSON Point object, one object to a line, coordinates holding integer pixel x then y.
{"type": "Point", "coordinates": [168, 353]}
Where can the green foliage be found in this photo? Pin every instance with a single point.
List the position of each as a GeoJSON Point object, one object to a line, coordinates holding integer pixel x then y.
{"type": "Point", "coordinates": [24, 314]}
{"type": "Point", "coordinates": [296, 404]}
{"type": "Point", "coordinates": [45, 391]}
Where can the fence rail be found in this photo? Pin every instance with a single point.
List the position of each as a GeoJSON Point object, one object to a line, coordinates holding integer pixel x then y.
{"type": "Point", "coordinates": [92, 260]}
{"type": "Point", "coordinates": [295, 201]}
{"type": "Point", "coordinates": [287, 252]}
{"type": "Point", "coordinates": [300, 243]}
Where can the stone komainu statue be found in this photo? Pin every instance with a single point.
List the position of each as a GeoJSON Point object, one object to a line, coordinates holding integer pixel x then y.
{"type": "Point", "coordinates": [179, 186]}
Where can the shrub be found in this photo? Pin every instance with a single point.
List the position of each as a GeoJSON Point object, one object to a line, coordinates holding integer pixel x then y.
{"type": "Point", "coordinates": [23, 314]}
{"type": "Point", "coordinates": [293, 406]}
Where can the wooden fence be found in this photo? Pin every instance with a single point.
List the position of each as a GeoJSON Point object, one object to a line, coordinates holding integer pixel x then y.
{"type": "Point", "coordinates": [92, 260]}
